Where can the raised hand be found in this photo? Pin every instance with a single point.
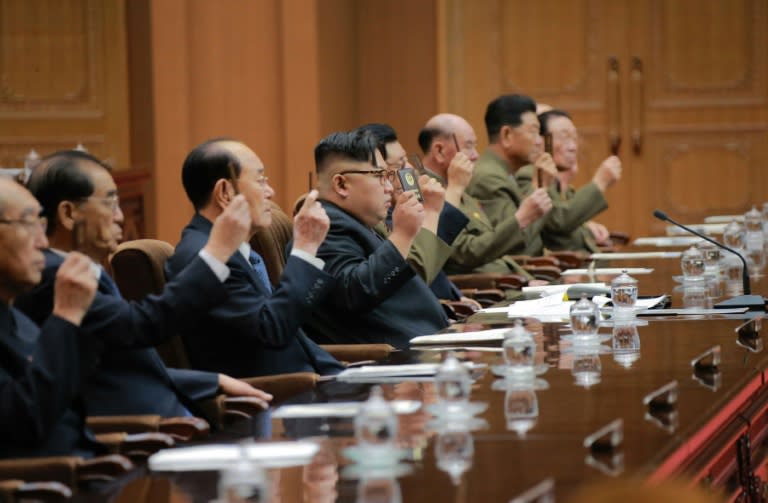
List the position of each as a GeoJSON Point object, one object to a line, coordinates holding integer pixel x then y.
{"type": "Point", "coordinates": [533, 207]}
{"type": "Point", "coordinates": [608, 173]}
{"type": "Point", "coordinates": [310, 225]}
{"type": "Point", "coordinates": [545, 165]}
{"type": "Point", "coordinates": [74, 288]}
{"type": "Point", "coordinates": [460, 171]}
{"type": "Point", "coordinates": [407, 218]}
{"type": "Point", "coordinates": [230, 230]}
{"type": "Point", "coordinates": [433, 193]}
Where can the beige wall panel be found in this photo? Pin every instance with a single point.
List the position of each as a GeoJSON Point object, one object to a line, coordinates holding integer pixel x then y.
{"type": "Point", "coordinates": [397, 65]}
{"type": "Point", "coordinates": [688, 73]}
{"type": "Point", "coordinates": [63, 78]}
{"type": "Point", "coordinates": [337, 33]}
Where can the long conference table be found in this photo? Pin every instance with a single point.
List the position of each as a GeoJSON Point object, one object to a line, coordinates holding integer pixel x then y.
{"type": "Point", "coordinates": [713, 434]}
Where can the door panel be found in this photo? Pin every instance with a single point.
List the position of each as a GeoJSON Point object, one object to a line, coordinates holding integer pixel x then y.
{"type": "Point", "coordinates": [690, 102]}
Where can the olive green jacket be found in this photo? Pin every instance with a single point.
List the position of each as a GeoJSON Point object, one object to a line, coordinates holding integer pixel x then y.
{"type": "Point", "coordinates": [564, 225]}
{"type": "Point", "coordinates": [481, 247]}
{"type": "Point", "coordinates": [499, 194]}
{"type": "Point", "coordinates": [427, 255]}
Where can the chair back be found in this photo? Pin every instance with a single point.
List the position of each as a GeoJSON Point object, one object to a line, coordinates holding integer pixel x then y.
{"type": "Point", "coordinates": [271, 243]}
{"type": "Point", "coordinates": [138, 271]}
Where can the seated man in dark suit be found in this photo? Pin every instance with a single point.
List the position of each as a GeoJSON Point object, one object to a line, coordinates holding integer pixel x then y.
{"type": "Point", "coordinates": [256, 331]}
{"type": "Point", "coordinates": [377, 295]}
{"type": "Point", "coordinates": [432, 246]}
{"type": "Point", "coordinates": [77, 191]}
{"type": "Point", "coordinates": [41, 369]}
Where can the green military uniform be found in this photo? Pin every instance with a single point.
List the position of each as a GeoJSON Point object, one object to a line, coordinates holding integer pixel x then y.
{"type": "Point", "coordinates": [427, 255]}
{"type": "Point", "coordinates": [564, 225]}
{"type": "Point", "coordinates": [481, 247]}
{"type": "Point", "coordinates": [498, 192]}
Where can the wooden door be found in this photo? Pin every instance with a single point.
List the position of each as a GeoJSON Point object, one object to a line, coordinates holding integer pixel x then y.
{"type": "Point", "coordinates": [699, 106]}
{"type": "Point", "coordinates": [680, 83]}
{"type": "Point", "coordinates": [63, 79]}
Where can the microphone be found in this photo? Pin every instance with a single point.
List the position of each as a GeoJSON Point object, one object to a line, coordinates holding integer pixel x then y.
{"type": "Point", "coordinates": [752, 302]}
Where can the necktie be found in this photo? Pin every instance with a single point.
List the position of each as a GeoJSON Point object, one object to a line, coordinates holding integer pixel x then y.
{"type": "Point", "coordinates": [261, 270]}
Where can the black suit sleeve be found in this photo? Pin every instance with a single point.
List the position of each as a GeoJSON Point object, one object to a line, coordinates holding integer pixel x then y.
{"type": "Point", "coordinates": [33, 400]}
{"type": "Point", "coordinates": [273, 320]}
{"type": "Point", "coordinates": [362, 282]}
{"type": "Point", "coordinates": [452, 222]}
{"type": "Point", "coordinates": [155, 318]}
{"type": "Point", "coordinates": [195, 384]}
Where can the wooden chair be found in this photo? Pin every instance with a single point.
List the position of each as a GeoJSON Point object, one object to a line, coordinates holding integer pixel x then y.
{"type": "Point", "coordinates": [272, 243]}
{"type": "Point", "coordinates": [68, 471]}
{"type": "Point", "coordinates": [13, 491]}
{"type": "Point", "coordinates": [138, 268]}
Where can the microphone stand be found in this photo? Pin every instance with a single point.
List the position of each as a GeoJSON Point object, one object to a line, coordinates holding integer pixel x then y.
{"type": "Point", "coordinates": [751, 302]}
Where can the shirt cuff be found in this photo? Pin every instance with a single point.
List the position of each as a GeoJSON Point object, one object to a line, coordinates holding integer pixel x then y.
{"type": "Point", "coordinates": [219, 269]}
{"type": "Point", "coordinates": [317, 262]}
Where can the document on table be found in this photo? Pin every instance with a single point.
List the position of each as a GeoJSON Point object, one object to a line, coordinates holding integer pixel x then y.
{"type": "Point", "coordinates": [338, 409]}
{"type": "Point", "coordinates": [691, 311]}
{"type": "Point", "coordinates": [663, 241]}
{"type": "Point", "coordinates": [495, 334]}
{"type": "Point", "coordinates": [717, 228]}
{"type": "Point", "coordinates": [723, 219]}
{"type": "Point", "coordinates": [394, 373]}
{"type": "Point", "coordinates": [607, 271]}
{"type": "Point", "coordinates": [217, 457]}
{"type": "Point", "coordinates": [547, 309]}
{"type": "Point", "coordinates": [560, 289]}
{"type": "Point", "coordinates": [634, 255]}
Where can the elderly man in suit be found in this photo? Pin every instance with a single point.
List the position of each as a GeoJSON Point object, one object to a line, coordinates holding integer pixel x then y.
{"type": "Point", "coordinates": [83, 212]}
{"type": "Point", "coordinates": [377, 295]}
{"type": "Point", "coordinates": [41, 369]}
{"type": "Point", "coordinates": [257, 331]}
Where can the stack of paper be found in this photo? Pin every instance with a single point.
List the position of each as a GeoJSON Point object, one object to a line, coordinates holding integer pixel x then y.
{"type": "Point", "coordinates": [396, 373]}
{"type": "Point", "coordinates": [716, 228]}
{"type": "Point", "coordinates": [607, 271]}
{"type": "Point", "coordinates": [547, 309]}
{"type": "Point", "coordinates": [560, 289]}
{"type": "Point", "coordinates": [723, 219]}
{"type": "Point", "coordinates": [338, 409]}
{"type": "Point", "coordinates": [496, 334]}
{"type": "Point", "coordinates": [634, 255]}
{"type": "Point", "coordinates": [218, 457]}
{"type": "Point", "coordinates": [667, 241]}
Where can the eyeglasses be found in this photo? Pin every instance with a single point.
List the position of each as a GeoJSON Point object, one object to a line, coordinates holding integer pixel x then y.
{"type": "Point", "coordinates": [383, 175]}
{"type": "Point", "coordinates": [262, 180]}
{"type": "Point", "coordinates": [39, 223]}
{"type": "Point", "coordinates": [112, 201]}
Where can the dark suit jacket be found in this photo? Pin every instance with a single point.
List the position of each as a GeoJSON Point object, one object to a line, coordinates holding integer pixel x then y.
{"type": "Point", "coordinates": [40, 376]}
{"type": "Point", "coordinates": [254, 332]}
{"type": "Point", "coordinates": [377, 296]}
{"type": "Point", "coordinates": [135, 381]}
{"type": "Point", "coordinates": [429, 252]}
